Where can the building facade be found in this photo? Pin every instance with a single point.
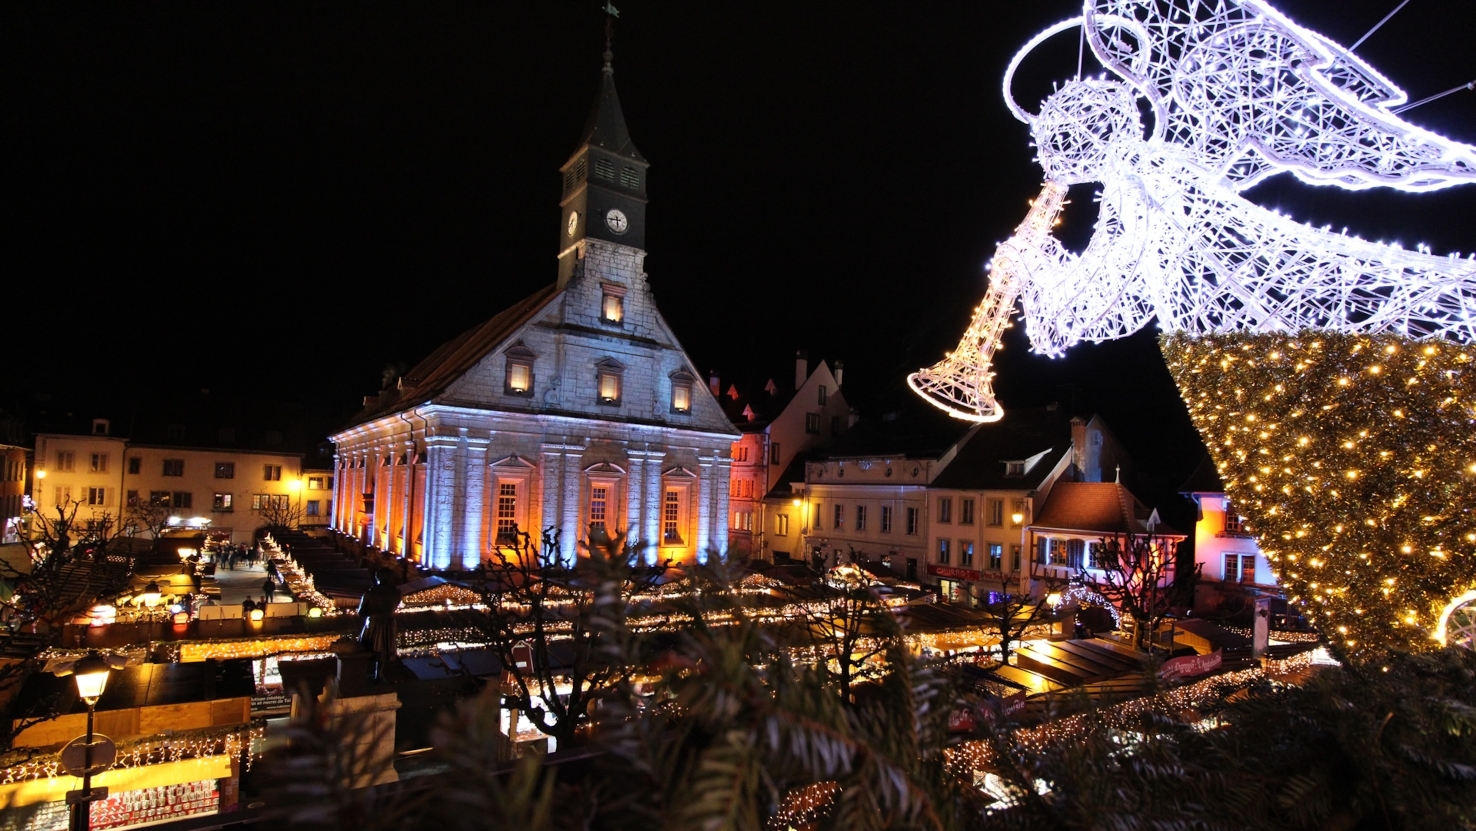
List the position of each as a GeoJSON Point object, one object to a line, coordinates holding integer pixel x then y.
{"type": "Point", "coordinates": [1224, 546]}
{"type": "Point", "coordinates": [573, 416]}
{"type": "Point", "coordinates": [779, 430]}
{"type": "Point", "coordinates": [224, 490]}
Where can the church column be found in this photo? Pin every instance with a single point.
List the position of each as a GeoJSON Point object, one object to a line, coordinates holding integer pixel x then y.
{"type": "Point", "coordinates": [704, 506]}
{"type": "Point", "coordinates": [407, 498]}
{"type": "Point", "coordinates": [475, 473]}
{"type": "Point", "coordinates": [636, 462]}
{"type": "Point", "coordinates": [569, 525]}
{"type": "Point", "coordinates": [651, 512]}
{"type": "Point", "coordinates": [440, 486]}
{"type": "Point", "coordinates": [722, 477]}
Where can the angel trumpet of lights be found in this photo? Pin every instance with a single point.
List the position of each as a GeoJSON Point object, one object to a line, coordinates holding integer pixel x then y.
{"type": "Point", "coordinates": [1237, 93]}
{"type": "Point", "coordinates": [962, 383]}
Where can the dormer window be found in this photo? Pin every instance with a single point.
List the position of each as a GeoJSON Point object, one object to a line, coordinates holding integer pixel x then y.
{"type": "Point", "coordinates": [681, 392]}
{"type": "Point", "coordinates": [519, 373]}
{"type": "Point", "coordinates": [612, 303]}
{"type": "Point", "coordinates": [100, 426]}
{"type": "Point", "coordinates": [609, 375]}
{"type": "Point", "coordinates": [1014, 468]}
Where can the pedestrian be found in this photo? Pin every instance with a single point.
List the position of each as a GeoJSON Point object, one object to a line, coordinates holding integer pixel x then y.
{"type": "Point", "coordinates": [247, 606]}
{"type": "Point", "coordinates": [270, 587]}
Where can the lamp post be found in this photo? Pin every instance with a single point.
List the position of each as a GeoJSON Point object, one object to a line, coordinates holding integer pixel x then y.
{"type": "Point", "coordinates": [151, 596]}
{"type": "Point", "coordinates": [91, 674]}
{"type": "Point", "coordinates": [1018, 518]}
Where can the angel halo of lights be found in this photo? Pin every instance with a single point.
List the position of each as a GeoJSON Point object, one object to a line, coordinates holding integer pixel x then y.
{"type": "Point", "coordinates": [1237, 93]}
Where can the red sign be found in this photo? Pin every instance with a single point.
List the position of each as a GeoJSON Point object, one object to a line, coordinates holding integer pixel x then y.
{"type": "Point", "coordinates": [961, 720]}
{"type": "Point", "coordinates": [999, 708]}
{"type": "Point", "coordinates": [1191, 665]}
{"type": "Point", "coordinates": [952, 573]}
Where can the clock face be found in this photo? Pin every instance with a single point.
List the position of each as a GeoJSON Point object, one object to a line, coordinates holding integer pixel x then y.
{"type": "Point", "coordinates": [573, 222]}
{"type": "Point", "coordinates": [617, 221]}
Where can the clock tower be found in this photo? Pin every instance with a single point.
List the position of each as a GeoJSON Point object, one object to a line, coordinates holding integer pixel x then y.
{"type": "Point", "coordinates": [604, 182]}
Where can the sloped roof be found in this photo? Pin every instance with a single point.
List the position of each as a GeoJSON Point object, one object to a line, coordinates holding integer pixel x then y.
{"type": "Point", "coordinates": [456, 357]}
{"type": "Point", "coordinates": [1021, 434]}
{"type": "Point", "coordinates": [1096, 507]}
{"type": "Point", "coordinates": [606, 126]}
{"type": "Point", "coordinates": [917, 431]}
{"type": "Point", "coordinates": [1204, 479]}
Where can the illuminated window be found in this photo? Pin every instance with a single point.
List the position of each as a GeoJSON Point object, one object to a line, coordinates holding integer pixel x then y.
{"type": "Point", "coordinates": [518, 378]}
{"type": "Point", "coordinates": [671, 517]}
{"type": "Point", "coordinates": [966, 553]}
{"type": "Point", "coordinates": [225, 470]}
{"type": "Point", "coordinates": [996, 556]}
{"type": "Point", "coordinates": [174, 467]}
{"type": "Point", "coordinates": [1014, 468]}
{"type": "Point", "coordinates": [608, 375]}
{"type": "Point", "coordinates": [681, 393]}
{"type": "Point", "coordinates": [315, 483]}
{"type": "Point", "coordinates": [943, 552]}
{"type": "Point", "coordinates": [222, 502]}
{"type": "Point", "coordinates": [599, 505]}
{"type": "Point", "coordinates": [1240, 568]}
{"type": "Point", "coordinates": [612, 304]}
{"type": "Point", "coordinates": [1234, 522]}
{"type": "Point", "coordinates": [97, 496]}
{"type": "Point", "coordinates": [99, 463]}
{"type": "Point", "coordinates": [269, 502]}
{"type": "Point", "coordinates": [311, 507]}
{"type": "Point", "coordinates": [507, 512]}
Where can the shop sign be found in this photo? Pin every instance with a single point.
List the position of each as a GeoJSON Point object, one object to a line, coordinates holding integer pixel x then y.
{"type": "Point", "coordinates": [952, 573]}
{"type": "Point", "coordinates": [1191, 665]}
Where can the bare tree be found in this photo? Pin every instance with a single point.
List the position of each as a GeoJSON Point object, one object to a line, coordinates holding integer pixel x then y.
{"type": "Point", "coordinates": [69, 567]}
{"type": "Point", "coordinates": [1139, 576]}
{"type": "Point", "coordinates": [279, 511]}
{"type": "Point", "coordinates": [560, 629]}
{"type": "Point", "coordinates": [148, 515]}
{"type": "Point", "coordinates": [1012, 613]}
{"type": "Point", "coordinates": [845, 621]}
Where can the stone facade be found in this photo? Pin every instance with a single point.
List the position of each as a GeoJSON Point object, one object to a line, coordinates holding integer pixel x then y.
{"type": "Point", "coordinates": [572, 415]}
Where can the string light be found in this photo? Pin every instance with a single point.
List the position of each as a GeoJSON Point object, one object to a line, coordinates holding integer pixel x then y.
{"type": "Point", "coordinates": [1356, 492]}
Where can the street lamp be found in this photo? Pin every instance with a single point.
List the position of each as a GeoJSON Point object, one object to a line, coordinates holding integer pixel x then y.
{"type": "Point", "coordinates": [151, 596]}
{"type": "Point", "coordinates": [91, 674]}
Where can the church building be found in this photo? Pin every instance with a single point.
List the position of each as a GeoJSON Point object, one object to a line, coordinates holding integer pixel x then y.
{"type": "Point", "coordinates": [574, 410]}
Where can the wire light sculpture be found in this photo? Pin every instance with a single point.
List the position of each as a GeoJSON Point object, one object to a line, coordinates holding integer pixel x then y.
{"type": "Point", "coordinates": [1237, 93]}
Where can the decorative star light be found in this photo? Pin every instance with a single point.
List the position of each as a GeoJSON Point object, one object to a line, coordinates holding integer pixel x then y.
{"type": "Point", "coordinates": [1238, 93]}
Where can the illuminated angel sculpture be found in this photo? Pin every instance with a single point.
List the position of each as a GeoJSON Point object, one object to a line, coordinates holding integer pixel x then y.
{"type": "Point", "coordinates": [1237, 93]}
{"type": "Point", "coordinates": [1331, 378]}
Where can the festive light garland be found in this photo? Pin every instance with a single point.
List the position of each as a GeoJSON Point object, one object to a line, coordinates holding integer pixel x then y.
{"type": "Point", "coordinates": [174, 746]}
{"type": "Point", "coordinates": [1354, 456]}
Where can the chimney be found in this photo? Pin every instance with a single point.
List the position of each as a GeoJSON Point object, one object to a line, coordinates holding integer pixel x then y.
{"type": "Point", "coordinates": [801, 369]}
{"type": "Point", "coordinates": [1078, 447]}
{"type": "Point", "coordinates": [713, 383]}
{"type": "Point", "coordinates": [840, 372]}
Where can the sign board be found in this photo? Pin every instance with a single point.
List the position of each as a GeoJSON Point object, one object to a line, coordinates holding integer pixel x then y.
{"type": "Point", "coordinates": [999, 708]}
{"type": "Point", "coordinates": [522, 655]}
{"type": "Point", "coordinates": [953, 573]}
{"type": "Point", "coordinates": [80, 796]}
{"type": "Point", "coordinates": [75, 759]}
{"type": "Point", "coordinates": [1191, 665]}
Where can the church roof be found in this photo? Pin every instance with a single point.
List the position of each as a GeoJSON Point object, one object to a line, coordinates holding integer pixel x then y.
{"type": "Point", "coordinates": [979, 463]}
{"type": "Point", "coordinates": [455, 357]}
{"type": "Point", "coordinates": [1096, 507]}
{"type": "Point", "coordinates": [606, 126]}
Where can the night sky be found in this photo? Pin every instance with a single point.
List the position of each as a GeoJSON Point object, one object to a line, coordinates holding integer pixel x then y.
{"type": "Point", "coordinates": [282, 199]}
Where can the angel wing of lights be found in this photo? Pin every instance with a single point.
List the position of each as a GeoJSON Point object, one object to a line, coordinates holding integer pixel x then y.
{"type": "Point", "coordinates": [1238, 93]}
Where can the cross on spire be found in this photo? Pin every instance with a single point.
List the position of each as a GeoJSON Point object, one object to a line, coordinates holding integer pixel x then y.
{"type": "Point", "coordinates": [610, 14]}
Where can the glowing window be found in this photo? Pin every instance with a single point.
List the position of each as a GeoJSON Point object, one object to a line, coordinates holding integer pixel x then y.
{"type": "Point", "coordinates": [519, 373]}
{"type": "Point", "coordinates": [681, 393]}
{"type": "Point", "coordinates": [507, 512]}
{"type": "Point", "coordinates": [613, 308]}
{"type": "Point", "coordinates": [608, 381]}
{"type": "Point", "coordinates": [671, 517]}
{"type": "Point", "coordinates": [599, 503]}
